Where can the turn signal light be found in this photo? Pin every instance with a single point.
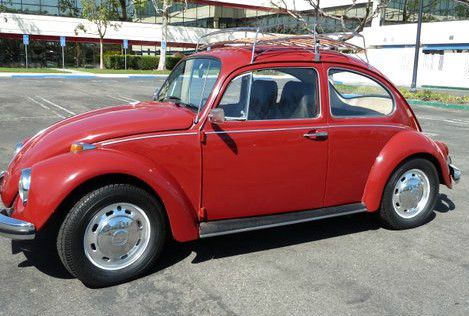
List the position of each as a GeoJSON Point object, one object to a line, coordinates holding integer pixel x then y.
{"type": "Point", "coordinates": [76, 148]}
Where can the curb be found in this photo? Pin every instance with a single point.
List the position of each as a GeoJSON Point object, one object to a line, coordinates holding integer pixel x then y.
{"type": "Point", "coordinates": [78, 76]}
{"type": "Point", "coordinates": [440, 105]}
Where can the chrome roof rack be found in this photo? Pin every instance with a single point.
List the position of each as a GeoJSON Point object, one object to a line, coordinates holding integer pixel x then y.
{"type": "Point", "coordinates": [314, 41]}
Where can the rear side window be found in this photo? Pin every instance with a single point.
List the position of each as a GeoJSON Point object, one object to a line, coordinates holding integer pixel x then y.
{"type": "Point", "coordinates": [353, 94]}
{"type": "Point", "coordinates": [272, 94]}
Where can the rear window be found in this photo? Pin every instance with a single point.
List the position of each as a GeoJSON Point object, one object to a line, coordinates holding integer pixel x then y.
{"type": "Point", "coordinates": [354, 94]}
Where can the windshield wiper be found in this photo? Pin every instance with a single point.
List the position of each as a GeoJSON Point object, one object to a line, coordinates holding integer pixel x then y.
{"type": "Point", "coordinates": [178, 101]}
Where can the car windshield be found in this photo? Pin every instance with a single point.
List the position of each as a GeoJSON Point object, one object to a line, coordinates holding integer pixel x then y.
{"type": "Point", "coordinates": [191, 82]}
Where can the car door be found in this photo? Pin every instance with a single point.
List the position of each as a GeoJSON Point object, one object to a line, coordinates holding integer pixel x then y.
{"type": "Point", "coordinates": [362, 120]}
{"type": "Point", "coordinates": [270, 154]}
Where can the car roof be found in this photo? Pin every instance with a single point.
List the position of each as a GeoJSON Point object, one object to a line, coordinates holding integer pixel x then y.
{"type": "Point", "coordinates": [233, 58]}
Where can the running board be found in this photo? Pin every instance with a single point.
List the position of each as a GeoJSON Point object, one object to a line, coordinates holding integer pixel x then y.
{"type": "Point", "coordinates": [232, 226]}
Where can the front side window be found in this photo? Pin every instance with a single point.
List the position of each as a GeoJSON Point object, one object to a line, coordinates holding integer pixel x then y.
{"type": "Point", "coordinates": [352, 94]}
{"type": "Point", "coordinates": [272, 94]}
{"type": "Point", "coordinates": [191, 82]}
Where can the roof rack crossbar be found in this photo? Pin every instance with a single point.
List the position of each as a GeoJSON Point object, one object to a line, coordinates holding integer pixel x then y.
{"type": "Point", "coordinates": [314, 41]}
{"type": "Point", "coordinates": [255, 30]}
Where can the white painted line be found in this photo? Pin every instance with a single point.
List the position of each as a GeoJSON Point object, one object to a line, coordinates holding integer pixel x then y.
{"type": "Point", "coordinates": [457, 122]}
{"type": "Point", "coordinates": [46, 107]}
{"type": "Point", "coordinates": [118, 99]}
{"type": "Point", "coordinates": [39, 103]}
{"type": "Point", "coordinates": [430, 134]}
{"type": "Point", "coordinates": [20, 118]}
{"type": "Point", "coordinates": [128, 98]}
{"type": "Point", "coordinates": [57, 106]}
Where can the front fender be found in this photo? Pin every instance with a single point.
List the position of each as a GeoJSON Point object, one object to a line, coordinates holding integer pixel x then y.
{"type": "Point", "coordinates": [400, 147]}
{"type": "Point", "coordinates": [54, 179]}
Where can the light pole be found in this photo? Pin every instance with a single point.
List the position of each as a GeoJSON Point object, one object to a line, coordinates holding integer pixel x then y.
{"type": "Point", "coordinates": [413, 86]}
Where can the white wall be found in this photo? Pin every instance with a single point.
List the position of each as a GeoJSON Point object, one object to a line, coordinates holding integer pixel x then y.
{"type": "Point", "coordinates": [450, 69]}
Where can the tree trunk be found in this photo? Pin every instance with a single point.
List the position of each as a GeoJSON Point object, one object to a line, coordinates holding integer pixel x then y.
{"type": "Point", "coordinates": [101, 54]}
{"type": "Point", "coordinates": [123, 5]}
{"type": "Point", "coordinates": [404, 12]}
{"type": "Point", "coordinates": [164, 36]}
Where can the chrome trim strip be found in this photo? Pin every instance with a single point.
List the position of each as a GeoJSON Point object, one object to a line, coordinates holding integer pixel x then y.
{"type": "Point", "coordinates": [305, 127]}
{"type": "Point", "coordinates": [265, 130]}
{"type": "Point", "coordinates": [369, 125]}
{"type": "Point", "coordinates": [278, 220]}
{"type": "Point", "coordinates": [112, 142]}
{"type": "Point", "coordinates": [15, 229]}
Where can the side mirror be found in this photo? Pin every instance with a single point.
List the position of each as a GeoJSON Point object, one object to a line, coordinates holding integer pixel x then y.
{"type": "Point", "coordinates": [216, 116]}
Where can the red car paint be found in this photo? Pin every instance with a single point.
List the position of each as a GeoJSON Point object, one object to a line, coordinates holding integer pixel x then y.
{"type": "Point", "coordinates": [198, 177]}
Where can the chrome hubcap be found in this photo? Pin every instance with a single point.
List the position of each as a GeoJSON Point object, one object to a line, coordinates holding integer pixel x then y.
{"type": "Point", "coordinates": [411, 193]}
{"type": "Point", "coordinates": [117, 236]}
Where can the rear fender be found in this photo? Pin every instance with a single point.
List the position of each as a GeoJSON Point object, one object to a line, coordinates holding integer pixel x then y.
{"type": "Point", "coordinates": [400, 147]}
{"type": "Point", "coordinates": [54, 179]}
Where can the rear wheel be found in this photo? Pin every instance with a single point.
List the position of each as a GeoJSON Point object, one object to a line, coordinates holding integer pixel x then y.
{"type": "Point", "coordinates": [410, 195]}
{"type": "Point", "coordinates": [112, 235]}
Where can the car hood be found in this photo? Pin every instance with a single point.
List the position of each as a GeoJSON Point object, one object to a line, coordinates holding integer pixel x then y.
{"type": "Point", "coordinates": [100, 125]}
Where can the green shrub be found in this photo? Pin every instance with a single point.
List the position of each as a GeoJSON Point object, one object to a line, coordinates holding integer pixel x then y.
{"type": "Point", "coordinates": [113, 61]}
{"type": "Point", "coordinates": [171, 61]}
{"type": "Point", "coordinates": [148, 62]}
{"type": "Point", "coordinates": [132, 61]}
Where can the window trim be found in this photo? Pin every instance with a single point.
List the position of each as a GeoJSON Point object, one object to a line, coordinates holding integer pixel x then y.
{"type": "Point", "coordinates": [319, 96]}
{"type": "Point", "coordinates": [202, 108]}
{"type": "Point", "coordinates": [394, 104]}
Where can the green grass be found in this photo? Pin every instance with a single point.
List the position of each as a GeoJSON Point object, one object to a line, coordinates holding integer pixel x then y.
{"type": "Point", "coordinates": [430, 95]}
{"type": "Point", "coordinates": [122, 71]}
{"type": "Point", "coordinates": [421, 94]}
{"type": "Point", "coordinates": [30, 70]}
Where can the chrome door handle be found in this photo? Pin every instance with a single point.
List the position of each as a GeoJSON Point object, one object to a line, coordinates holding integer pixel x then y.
{"type": "Point", "coordinates": [317, 135]}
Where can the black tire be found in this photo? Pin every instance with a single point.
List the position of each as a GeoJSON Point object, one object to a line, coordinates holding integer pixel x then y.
{"type": "Point", "coordinates": [389, 216]}
{"type": "Point", "coordinates": [70, 239]}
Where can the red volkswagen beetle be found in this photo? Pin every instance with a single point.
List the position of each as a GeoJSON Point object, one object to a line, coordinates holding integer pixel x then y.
{"type": "Point", "coordinates": [237, 139]}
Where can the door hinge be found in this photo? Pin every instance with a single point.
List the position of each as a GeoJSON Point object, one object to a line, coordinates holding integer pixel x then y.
{"type": "Point", "coordinates": [203, 138]}
{"type": "Point", "coordinates": [202, 214]}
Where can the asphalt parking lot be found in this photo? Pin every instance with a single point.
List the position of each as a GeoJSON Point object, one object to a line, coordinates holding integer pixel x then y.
{"type": "Point", "coordinates": [343, 266]}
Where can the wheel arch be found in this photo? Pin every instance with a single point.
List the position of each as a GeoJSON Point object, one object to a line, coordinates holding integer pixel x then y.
{"type": "Point", "coordinates": [401, 148]}
{"type": "Point", "coordinates": [71, 176]}
{"type": "Point", "coordinates": [102, 180]}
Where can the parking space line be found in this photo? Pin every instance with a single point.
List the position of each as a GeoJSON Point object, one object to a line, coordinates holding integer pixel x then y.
{"type": "Point", "coordinates": [21, 118]}
{"type": "Point", "coordinates": [119, 99]}
{"type": "Point", "coordinates": [128, 98]}
{"type": "Point", "coordinates": [456, 121]}
{"type": "Point", "coordinates": [45, 107]}
{"type": "Point", "coordinates": [57, 106]}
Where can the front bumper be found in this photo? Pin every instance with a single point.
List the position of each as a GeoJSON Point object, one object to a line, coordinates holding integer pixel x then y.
{"type": "Point", "coordinates": [455, 172]}
{"type": "Point", "coordinates": [15, 229]}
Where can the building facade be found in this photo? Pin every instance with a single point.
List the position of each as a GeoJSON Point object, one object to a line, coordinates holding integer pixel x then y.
{"type": "Point", "coordinates": [445, 34]}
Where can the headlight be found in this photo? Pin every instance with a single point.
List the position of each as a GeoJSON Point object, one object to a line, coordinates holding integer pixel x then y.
{"type": "Point", "coordinates": [24, 185]}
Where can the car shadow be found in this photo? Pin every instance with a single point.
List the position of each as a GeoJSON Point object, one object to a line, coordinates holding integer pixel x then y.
{"type": "Point", "coordinates": [444, 204]}
{"type": "Point", "coordinates": [41, 254]}
{"type": "Point", "coordinates": [261, 240]}
{"type": "Point", "coordinates": [44, 257]}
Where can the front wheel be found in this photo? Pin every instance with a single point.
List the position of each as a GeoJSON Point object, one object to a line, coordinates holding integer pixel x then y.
{"type": "Point", "coordinates": [410, 195]}
{"type": "Point", "coordinates": [112, 235]}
